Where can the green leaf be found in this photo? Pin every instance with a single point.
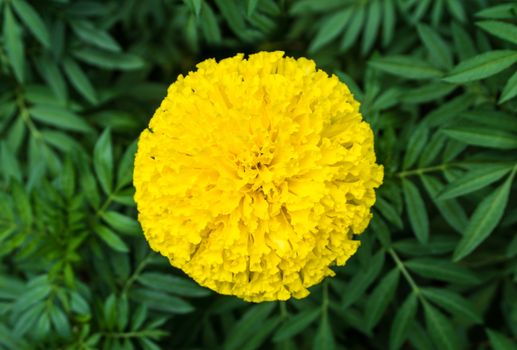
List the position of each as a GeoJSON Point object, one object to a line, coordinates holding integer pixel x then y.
{"type": "Point", "coordinates": [403, 319]}
{"type": "Point", "coordinates": [440, 329]}
{"type": "Point", "coordinates": [405, 67]}
{"type": "Point", "coordinates": [209, 25]}
{"type": "Point", "coordinates": [120, 222]}
{"type": "Point", "coordinates": [381, 297]}
{"type": "Point", "coordinates": [22, 203]}
{"type": "Point", "coordinates": [484, 219]}
{"type": "Point", "coordinates": [371, 30]}
{"type": "Point", "coordinates": [482, 66]}
{"type": "Point", "coordinates": [510, 89]}
{"type": "Point", "coordinates": [60, 321]}
{"type": "Point", "coordinates": [389, 20]}
{"type": "Point", "coordinates": [442, 270]}
{"type": "Point", "coordinates": [91, 34]}
{"type": "Point", "coordinates": [452, 302]}
{"type": "Point", "coordinates": [14, 44]}
{"type": "Point", "coordinates": [437, 48]}
{"type": "Point", "coordinates": [109, 60]}
{"type": "Point", "coordinates": [330, 28]}
{"type": "Point", "coordinates": [482, 136]}
{"type": "Point", "coordinates": [354, 27]}
{"type": "Point", "coordinates": [502, 11]}
{"type": "Point", "coordinates": [474, 180]}
{"type": "Point", "coordinates": [324, 339]}
{"type": "Point", "coordinates": [389, 212]}
{"type": "Point", "coordinates": [111, 239]}
{"type": "Point", "coordinates": [125, 167]}
{"type": "Point", "coordinates": [247, 325]}
{"type": "Point", "coordinates": [79, 80]}
{"type": "Point", "coordinates": [450, 209]}
{"type": "Point", "coordinates": [361, 281]}
{"type": "Point", "coordinates": [416, 210]}
{"type": "Point", "coordinates": [172, 284]}
{"type": "Point", "coordinates": [500, 341]}
{"type": "Point", "coordinates": [296, 324]}
{"type": "Point", "coordinates": [416, 143]}
{"type": "Point", "coordinates": [32, 21]}
{"type": "Point", "coordinates": [59, 117]}
{"type": "Point", "coordinates": [103, 161]}
{"type": "Point", "coordinates": [262, 334]}
{"type": "Point", "coordinates": [502, 30]}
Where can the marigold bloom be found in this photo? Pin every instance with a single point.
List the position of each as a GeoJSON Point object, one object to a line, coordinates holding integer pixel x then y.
{"type": "Point", "coordinates": [255, 174]}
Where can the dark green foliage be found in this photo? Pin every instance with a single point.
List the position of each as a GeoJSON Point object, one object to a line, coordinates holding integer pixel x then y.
{"type": "Point", "coordinates": [437, 268]}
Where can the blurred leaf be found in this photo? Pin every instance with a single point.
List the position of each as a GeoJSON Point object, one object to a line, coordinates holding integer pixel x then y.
{"type": "Point", "coordinates": [510, 89]}
{"type": "Point", "coordinates": [405, 67]}
{"type": "Point", "coordinates": [437, 48]}
{"type": "Point", "coordinates": [247, 325]}
{"type": "Point", "coordinates": [103, 161]}
{"type": "Point", "coordinates": [79, 80]}
{"type": "Point", "coordinates": [111, 239]}
{"type": "Point", "coordinates": [482, 66]}
{"type": "Point", "coordinates": [500, 341]}
{"type": "Point", "coordinates": [59, 117]}
{"type": "Point", "coordinates": [172, 284]}
{"type": "Point", "coordinates": [14, 44]}
{"type": "Point", "coordinates": [502, 30]}
{"type": "Point", "coordinates": [32, 20]}
{"type": "Point", "coordinates": [91, 34]}
{"type": "Point", "coordinates": [324, 339]}
{"type": "Point", "coordinates": [109, 60]}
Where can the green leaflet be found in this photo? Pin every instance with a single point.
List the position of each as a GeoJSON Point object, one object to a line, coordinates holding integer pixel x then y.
{"type": "Point", "coordinates": [484, 219]}
{"type": "Point", "coordinates": [482, 66]}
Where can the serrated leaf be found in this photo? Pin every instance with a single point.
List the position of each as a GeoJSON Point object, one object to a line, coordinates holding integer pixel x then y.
{"type": "Point", "coordinates": [103, 161]}
{"type": "Point", "coordinates": [482, 136]}
{"type": "Point", "coordinates": [452, 302]}
{"type": "Point", "coordinates": [79, 80]}
{"type": "Point", "coordinates": [510, 89]}
{"type": "Point", "coordinates": [474, 180]}
{"type": "Point", "coordinates": [440, 328]}
{"type": "Point", "coordinates": [59, 117]}
{"type": "Point", "coordinates": [406, 67]}
{"type": "Point", "coordinates": [296, 324]}
{"type": "Point", "coordinates": [502, 30]}
{"type": "Point", "coordinates": [381, 296]}
{"type": "Point", "coordinates": [14, 44]}
{"type": "Point", "coordinates": [437, 48]}
{"type": "Point", "coordinates": [442, 270]}
{"type": "Point", "coordinates": [484, 219]}
{"type": "Point", "coordinates": [111, 239]}
{"type": "Point", "coordinates": [416, 211]}
{"type": "Point", "coordinates": [32, 21]}
{"type": "Point", "coordinates": [403, 319]}
{"type": "Point", "coordinates": [482, 66]}
{"type": "Point", "coordinates": [500, 341]}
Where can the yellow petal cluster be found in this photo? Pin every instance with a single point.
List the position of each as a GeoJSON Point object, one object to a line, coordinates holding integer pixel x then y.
{"type": "Point", "coordinates": [255, 174]}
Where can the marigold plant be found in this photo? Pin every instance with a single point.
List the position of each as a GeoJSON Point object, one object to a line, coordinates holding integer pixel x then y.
{"type": "Point", "coordinates": [255, 174]}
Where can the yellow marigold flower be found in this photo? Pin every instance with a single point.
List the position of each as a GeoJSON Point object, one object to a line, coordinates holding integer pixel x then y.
{"type": "Point", "coordinates": [255, 174]}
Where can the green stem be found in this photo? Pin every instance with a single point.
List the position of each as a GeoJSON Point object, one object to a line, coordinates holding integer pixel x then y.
{"type": "Point", "coordinates": [405, 273]}
{"type": "Point", "coordinates": [135, 274]}
{"type": "Point", "coordinates": [283, 310]}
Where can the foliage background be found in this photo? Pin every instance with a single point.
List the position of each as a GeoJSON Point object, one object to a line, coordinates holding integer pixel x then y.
{"type": "Point", "coordinates": [438, 265]}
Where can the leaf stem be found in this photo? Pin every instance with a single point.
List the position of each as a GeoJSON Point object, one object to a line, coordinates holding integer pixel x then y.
{"type": "Point", "coordinates": [135, 274]}
{"type": "Point", "coordinates": [406, 274]}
